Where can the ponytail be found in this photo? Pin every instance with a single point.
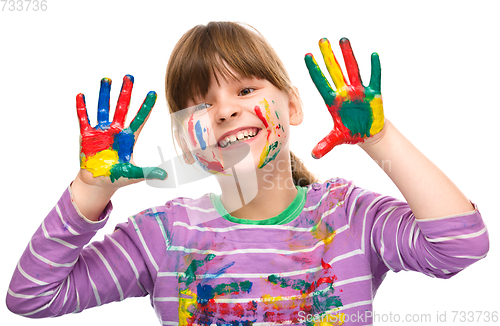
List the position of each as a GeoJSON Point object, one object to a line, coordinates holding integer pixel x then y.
{"type": "Point", "coordinates": [301, 175]}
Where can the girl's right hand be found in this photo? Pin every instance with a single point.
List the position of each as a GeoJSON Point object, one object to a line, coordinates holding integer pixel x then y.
{"type": "Point", "coordinates": [357, 111]}
{"type": "Point", "coordinates": [106, 158]}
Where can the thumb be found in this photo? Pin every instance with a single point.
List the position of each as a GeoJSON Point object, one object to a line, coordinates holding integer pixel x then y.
{"type": "Point", "coordinates": [130, 171]}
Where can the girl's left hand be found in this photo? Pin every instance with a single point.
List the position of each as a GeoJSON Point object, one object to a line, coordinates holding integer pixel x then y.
{"type": "Point", "coordinates": [356, 110]}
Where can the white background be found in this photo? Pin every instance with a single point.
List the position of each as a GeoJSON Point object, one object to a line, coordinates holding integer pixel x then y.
{"type": "Point", "coordinates": [440, 69]}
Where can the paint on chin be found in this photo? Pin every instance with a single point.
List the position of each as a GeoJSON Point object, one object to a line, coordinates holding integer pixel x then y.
{"type": "Point", "coordinates": [213, 167]}
{"type": "Point", "coordinates": [199, 137]}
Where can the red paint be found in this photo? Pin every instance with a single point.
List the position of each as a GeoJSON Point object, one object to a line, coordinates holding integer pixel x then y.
{"type": "Point", "coordinates": [340, 135]}
{"type": "Point", "coordinates": [238, 310]}
{"type": "Point", "coordinates": [94, 141]}
{"type": "Point", "coordinates": [191, 131]}
{"type": "Point", "coordinates": [325, 265]}
{"type": "Point", "coordinates": [350, 63]}
{"type": "Point", "coordinates": [215, 166]}
{"type": "Point", "coordinates": [224, 309]}
{"type": "Point", "coordinates": [123, 104]}
{"type": "Point", "coordinates": [279, 317]}
{"type": "Point", "coordinates": [261, 117]}
{"type": "Point", "coordinates": [321, 280]}
{"type": "Point", "coordinates": [81, 111]}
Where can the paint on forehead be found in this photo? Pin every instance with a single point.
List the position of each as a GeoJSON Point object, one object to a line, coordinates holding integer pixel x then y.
{"type": "Point", "coordinates": [199, 135]}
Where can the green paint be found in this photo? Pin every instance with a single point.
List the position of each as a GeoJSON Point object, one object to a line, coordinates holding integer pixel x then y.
{"type": "Point", "coordinates": [325, 302]}
{"type": "Point", "coordinates": [320, 80]}
{"type": "Point", "coordinates": [272, 158]}
{"type": "Point", "coordinates": [233, 287]}
{"type": "Point", "coordinates": [276, 114]}
{"type": "Point", "coordinates": [246, 286]}
{"type": "Point", "coordinates": [375, 78]}
{"type": "Point", "coordinates": [130, 171]}
{"type": "Point", "coordinates": [357, 117]}
{"type": "Point", "coordinates": [283, 282]}
{"type": "Point", "coordinates": [224, 288]}
{"type": "Point", "coordinates": [144, 111]}
{"type": "Point", "coordinates": [190, 273]}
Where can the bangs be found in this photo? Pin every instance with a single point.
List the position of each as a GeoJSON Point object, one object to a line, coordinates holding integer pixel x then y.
{"type": "Point", "coordinates": [210, 50]}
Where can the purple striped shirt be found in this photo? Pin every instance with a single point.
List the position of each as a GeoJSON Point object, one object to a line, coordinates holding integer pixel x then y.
{"type": "Point", "coordinates": [322, 259]}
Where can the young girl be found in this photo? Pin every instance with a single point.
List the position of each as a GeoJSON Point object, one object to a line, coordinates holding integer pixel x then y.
{"type": "Point", "coordinates": [276, 247]}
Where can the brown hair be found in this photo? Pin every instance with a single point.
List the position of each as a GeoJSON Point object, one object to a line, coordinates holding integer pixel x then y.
{"type": "Point", "coordinates": [204, 51]}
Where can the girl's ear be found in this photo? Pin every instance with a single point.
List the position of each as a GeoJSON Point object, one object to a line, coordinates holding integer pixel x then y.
{"type": "Point", "coordinates": [188, 157]}
{"type": "Point", "coordinates": [295, 107]}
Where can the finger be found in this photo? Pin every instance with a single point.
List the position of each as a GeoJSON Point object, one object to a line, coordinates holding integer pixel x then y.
{"type": "Point", "coordinates": [103, 106]}
{"type": "Point", "coordinates": [332, 64]}
{"type": "Point", "coordinates": [154, 173]}
{"type": "Point", "coordinates": [123, 103]}
{"type": "Point", "coordinates": [350, 62]}
{"type": "Point", "coordinates": [334, 138]}
{"type": "Point", "coordinates": [130, 171]}
{"type": "Point", "coordinates": [375, 78]}
{"type": "Point", "coordinates": [144, 112]}
{"type": "Point", "coordinates": [81, 111]}
{"type": "Point", "coordinates": [319, 80]}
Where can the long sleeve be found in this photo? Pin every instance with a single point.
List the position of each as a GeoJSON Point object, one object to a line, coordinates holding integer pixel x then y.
{"type": "Point", "coordinates": [59, 274]}
{"type": "Point", "coordinates": [393, 239]}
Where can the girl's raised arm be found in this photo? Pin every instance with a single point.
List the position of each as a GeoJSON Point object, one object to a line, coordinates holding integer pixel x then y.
{"type": "Point", "coordinates": [58, 272]}
{"type": "Point", "coordinates": [106, 150]}
{"type": "Point", "coordinates": [358, 117]}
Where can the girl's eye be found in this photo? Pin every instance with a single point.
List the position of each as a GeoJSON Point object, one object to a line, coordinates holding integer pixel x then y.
{"type": "Point", "coordinates": [246, 91]}
{"type": "Point", "coordinates": [203, 106]}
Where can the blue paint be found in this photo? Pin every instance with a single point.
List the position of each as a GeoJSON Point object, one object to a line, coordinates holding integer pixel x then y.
{"type": "Point", "coordinates": [131, 79]}
{"type": "Point", "coordinates": [199, 135]}
{"type": "Point", "coordinates": [219, 272]}
{"type": "Point", "coordinates": [103, 105]}
{"type": "Point", "coordinates": [204, 293]}
{"type": "Point", "coordinates": [124, 144]}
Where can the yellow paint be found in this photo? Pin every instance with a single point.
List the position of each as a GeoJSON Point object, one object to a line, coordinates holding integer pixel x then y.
{"type": "Point", "coordinates": [268, 114]}
{"type": "Point", "coordinates": [330, 320]}
{"type": "Point", "coordinates": [268, 299]}
{"type": "Point", "coordinates": [185, 304]}
{"type": "Point", "coordinates": [100, 163]}
{"type": "Point", "coordinates": [265, 150]}
{"type": "Point", "coordinates": [333, 67]}
{"type": "Point", "coordinates": [378, 115]}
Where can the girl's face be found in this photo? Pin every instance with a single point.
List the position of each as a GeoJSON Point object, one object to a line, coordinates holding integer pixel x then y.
{"type": "Point", "coordinates": [238, 118]}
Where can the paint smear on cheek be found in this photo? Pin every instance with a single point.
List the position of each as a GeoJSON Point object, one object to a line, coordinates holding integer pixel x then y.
{"type": "Point", "coordinates": [261, 116]}
{"type": "Point", "coordinates": [191, 132]}
{"type": "Point", "coordinates": [199, 135]}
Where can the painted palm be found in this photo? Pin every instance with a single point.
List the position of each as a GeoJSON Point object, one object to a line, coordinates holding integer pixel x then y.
{"type": "Point", "coordinates": [356, 110]}
{"type": "Point", "coordinates": [106, 149]}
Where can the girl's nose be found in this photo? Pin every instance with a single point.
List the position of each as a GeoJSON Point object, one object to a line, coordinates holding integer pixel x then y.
{"type": "Point", "coordinates": [227, 112]}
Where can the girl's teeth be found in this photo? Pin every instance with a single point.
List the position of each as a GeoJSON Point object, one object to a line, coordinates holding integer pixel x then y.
{"type": "Point", "coordinates": [234, 139]}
